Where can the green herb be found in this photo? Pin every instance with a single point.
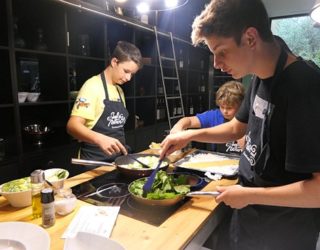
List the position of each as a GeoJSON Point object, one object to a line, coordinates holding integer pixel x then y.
{"type": "Point", "coordinates": [18, 185]}
{"type": "Point", "coordinates": [62, 174]}
{"type": "Point", "coordinates": [164, 186]}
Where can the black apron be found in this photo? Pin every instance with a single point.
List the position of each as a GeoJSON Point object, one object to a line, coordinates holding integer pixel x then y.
{"type": "Point", "coordinates": [267, 227]}
{"type": "Point", "coordinates": [110, 123]}
{"type": "Point", "coordinates": [257, 150]}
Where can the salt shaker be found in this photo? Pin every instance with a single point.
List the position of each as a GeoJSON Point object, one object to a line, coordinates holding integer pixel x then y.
{"type": "Point", "coordinates": [65, 201]}
{"type": "Point", "coordinates": [48, 211]}
{"type": "Point", "coordinates": [37, 184]}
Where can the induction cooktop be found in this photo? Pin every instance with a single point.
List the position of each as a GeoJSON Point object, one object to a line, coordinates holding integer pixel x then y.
{"type": "Point", "coordinates": [111, 189]}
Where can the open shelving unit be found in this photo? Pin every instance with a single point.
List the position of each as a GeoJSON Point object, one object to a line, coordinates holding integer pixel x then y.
{"type": "Point", "coordinates": [56, 50]}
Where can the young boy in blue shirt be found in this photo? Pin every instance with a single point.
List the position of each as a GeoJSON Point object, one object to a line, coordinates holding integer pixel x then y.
{"type": "Point", "coordinates": [228, 98]}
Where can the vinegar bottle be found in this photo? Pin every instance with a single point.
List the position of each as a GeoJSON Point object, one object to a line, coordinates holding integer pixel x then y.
{"type": "Point", "coordinates": [37, 184]}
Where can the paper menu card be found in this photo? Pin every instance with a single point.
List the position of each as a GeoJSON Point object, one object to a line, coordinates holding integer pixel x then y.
{"type": "Point", "coordinates": [98, 220]}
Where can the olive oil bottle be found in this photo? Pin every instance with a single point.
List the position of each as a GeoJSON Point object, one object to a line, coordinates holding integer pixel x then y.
{"type": "Point", "coordinates": [37, 184]}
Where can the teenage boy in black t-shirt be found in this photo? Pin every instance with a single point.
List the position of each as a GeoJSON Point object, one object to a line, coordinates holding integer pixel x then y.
{"type": "Point", "coordinates": [276, 203]}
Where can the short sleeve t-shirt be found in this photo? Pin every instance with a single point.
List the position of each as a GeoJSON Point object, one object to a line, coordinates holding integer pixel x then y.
{"type": "Point", "coordinates": [213, 118]}
{"type": "Point", "coordinates": [294, 125]}
{"type": "Point", "coordinates": [89, 103]}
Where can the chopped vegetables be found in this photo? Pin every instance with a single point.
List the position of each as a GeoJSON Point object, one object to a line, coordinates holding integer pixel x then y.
{"type": "Point", "coordinates": [18, 185]}
{"type": "Point", "coordinates": [164, 187]}
{"type": "Point", "coordinates": [151, 161]}
{"type": "Point", "coordinates": [58, 175]}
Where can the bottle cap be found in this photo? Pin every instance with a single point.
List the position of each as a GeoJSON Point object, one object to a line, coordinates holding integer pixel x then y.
{"type": "Point", "coordinates": [47, 195]}
{"type": "Point", "coordinates": [37, 176]}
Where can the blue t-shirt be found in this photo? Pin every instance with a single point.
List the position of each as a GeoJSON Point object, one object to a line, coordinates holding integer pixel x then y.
{"type": "Point", "coordinates": [213, 118]}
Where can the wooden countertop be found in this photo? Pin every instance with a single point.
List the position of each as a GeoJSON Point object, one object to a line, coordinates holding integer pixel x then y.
{"type": "Point", "coordinates": [175, 233]}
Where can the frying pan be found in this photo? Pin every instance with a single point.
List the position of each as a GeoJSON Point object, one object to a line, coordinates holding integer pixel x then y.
{"type": "Point", "coordinates": [193, 180]}
{"type": "Point", "coordinates": [121, 163]}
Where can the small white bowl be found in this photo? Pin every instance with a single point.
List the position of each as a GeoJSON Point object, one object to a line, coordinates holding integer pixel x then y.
{"type": "Point", "coordinates": [33, 96]}
{"type": "Point", "coordinates": [52, 175]}
{"type": "Point", "coordinates": [19, 198]}
{"type": "Point", "coordinates": [22, 96]}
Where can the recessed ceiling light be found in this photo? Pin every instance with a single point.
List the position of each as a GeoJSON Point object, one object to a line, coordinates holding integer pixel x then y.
{"type": "Point", "coordinates": [143, 7]}
{"type": "Point", "coordinates": [121, 1]}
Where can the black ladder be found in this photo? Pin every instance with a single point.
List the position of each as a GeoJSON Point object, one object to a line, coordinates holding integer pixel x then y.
{"type": "Point", "coordinates": [176, 99]}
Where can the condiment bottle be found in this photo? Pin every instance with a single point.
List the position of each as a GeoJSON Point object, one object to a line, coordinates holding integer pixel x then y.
{"type": "Point", "coordinates": [65, 201]}
{"type": "Point", "coordinates": [48, 211]}
{"type": "Point", "coordinates": [37, 184]}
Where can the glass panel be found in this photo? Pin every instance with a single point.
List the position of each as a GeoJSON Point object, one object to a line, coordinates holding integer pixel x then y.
{"type": "Point", "coordinates": [301, 35]}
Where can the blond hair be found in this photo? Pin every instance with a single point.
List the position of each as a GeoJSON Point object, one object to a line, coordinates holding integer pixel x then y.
{"type": "Point", "coordinates": [230, 93]}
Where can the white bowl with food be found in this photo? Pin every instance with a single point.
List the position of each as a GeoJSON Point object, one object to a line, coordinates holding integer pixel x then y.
{"type": "Point", "coordinates": [56, 176]}
{"type": "Point", "coordinates": [17, 192]}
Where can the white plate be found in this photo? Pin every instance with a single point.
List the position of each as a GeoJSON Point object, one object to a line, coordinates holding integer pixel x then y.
{"type": "Point", "coordinates": [85, 241]}
{"type": "Point", "coordinates": [29, 235]}
{"type": "Point", "coordinates": [11, 245]}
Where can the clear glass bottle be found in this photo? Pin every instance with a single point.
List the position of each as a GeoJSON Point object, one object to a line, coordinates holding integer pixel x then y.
{"type": "Point", "coordinates": [65, 201]}
{"type": "Point", "coordinates": [37, 184]}
{"type": "Point", "coordinates": [47, 204]}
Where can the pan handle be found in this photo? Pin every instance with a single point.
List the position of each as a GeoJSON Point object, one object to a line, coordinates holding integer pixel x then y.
{"type": "Point", "coordinates": [90, 163]}
{"type": "Point", "coordinates": [204, 193]}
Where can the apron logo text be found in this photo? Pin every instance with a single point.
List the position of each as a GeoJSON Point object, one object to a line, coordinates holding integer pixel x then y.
{"type": "Point", "coordinates": [116, 120]}
{"type": "Point", "coordinates": [250, 151]}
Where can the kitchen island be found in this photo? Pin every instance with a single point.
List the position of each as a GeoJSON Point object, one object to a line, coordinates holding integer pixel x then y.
{"type": "Point", "coordinates": [187, 228]}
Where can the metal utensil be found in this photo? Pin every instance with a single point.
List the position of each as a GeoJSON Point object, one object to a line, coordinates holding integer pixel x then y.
{"type": "Point", "coordinates": [99, 191]}
{"type": "Point", "coordinates": [147, 186]}
{"type": "Point", "coordinates": [140, 162]}
{"type": "Point", "coordinates": [203, 193]}
{"type": "Point", "coordinates": [90, 163]}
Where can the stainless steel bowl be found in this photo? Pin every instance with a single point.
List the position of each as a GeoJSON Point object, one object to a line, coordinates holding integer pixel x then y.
{"type": "Point", "coordinates": [37, 132]}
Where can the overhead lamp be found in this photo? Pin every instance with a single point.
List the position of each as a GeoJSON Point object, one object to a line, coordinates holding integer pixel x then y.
{"type": "Point", "coordinates": [143, 7]}
{"type": "Point", "coordinates": [171, 3]}
{"type": "Point", "coordinates": [315, 11]}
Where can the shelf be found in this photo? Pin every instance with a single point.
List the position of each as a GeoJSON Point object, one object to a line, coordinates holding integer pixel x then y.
{"type": "Point", "coordinates": [57, 50]}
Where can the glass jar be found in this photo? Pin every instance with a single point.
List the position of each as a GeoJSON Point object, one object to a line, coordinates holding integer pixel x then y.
{"type": "Point", "coordinates": [65, 201]}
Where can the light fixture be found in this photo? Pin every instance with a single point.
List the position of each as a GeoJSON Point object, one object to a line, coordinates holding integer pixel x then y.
{"type": "Point", "coordinates": [315, 11]}
{"type": "Point", "coordinates": [171, 3]}
{"type": "Point", "coordinates": [143, 7]}
{"type": "Point", "coordinates": [121, 1]}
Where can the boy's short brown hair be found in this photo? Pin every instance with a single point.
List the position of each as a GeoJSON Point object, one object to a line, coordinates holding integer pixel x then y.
{"type": "Point", "coordinates": [230, 94]}
{"type": "Point", "coordinates": [125, 51]}
{"type": "Point", "coordinates": [230, 18]}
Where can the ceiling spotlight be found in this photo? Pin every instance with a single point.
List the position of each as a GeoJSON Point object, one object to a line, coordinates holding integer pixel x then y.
{"type": "Point", "coordinates": [171, 3]}
{"type": "Point", "coordinates": [121, 1]}
{"type": "Point", "coordinates": [143, 7]}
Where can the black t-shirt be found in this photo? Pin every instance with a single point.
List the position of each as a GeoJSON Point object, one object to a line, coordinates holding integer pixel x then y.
{"type": "Point", "coordinates": [294, 125]}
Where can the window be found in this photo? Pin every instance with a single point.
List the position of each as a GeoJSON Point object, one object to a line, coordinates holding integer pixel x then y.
{"type": "Point", "coordinates": [301, 34]}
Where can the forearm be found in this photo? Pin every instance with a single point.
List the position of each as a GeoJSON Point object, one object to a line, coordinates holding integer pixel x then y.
{"type": "Point", "coordinates": [304, 194]}
{"type": "Point", "coordinates": [219, 134]}
{"type": "Point", "coordinates": [185, 123]}
{"type": "Point", "coordinates": [82, 133]}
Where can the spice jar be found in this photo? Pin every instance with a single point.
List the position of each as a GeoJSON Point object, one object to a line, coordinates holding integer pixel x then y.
{"type": "Point", "coordinates": [37, 184]}
{"type": "Point", "coordinates": [48, 211]}
{"type": "Point", "coordinates": [65, 201]}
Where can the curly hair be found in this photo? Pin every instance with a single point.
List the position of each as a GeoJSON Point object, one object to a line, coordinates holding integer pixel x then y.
{"type": "Point", "coordinates": [230, 93]}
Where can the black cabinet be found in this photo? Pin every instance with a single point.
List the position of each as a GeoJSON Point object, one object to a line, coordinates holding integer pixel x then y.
{"type": "Point", "coordinates": [54, 51]}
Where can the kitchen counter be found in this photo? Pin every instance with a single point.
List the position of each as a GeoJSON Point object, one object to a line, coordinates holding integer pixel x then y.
{"type": "Point", "coordinates": [187, 228]}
